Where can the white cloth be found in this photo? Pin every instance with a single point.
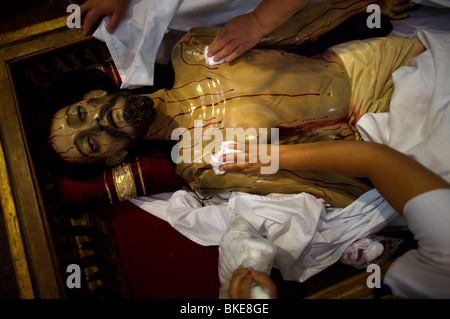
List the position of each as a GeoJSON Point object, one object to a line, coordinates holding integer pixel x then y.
{"type": "Point", "coordinates": [135, 43]}
{"type": "Point", "coordinates": [425, 272]}
{"type": "Point", "coordinates": [418, 123]}
{"type": "Point", "coordinates": [210, 13]}
{"type": "Point", "coordinates": [308, 238]}
{"type": "Point", "coordinates": [204, 225]}
{"type": "Point", "coordinates": [242, 245]}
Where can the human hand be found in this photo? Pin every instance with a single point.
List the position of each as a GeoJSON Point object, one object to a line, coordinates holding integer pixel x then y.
{"type": "Point", "coordinates": [243, 279]}
{"type": "Point", "coordinates": [94, 9]}
{"type": "Point", "coordinates": [251, 158]}
{"type": "Point", "coordinates": [239, 35]}
{"type": "Point", "coordinates": [395, 9]}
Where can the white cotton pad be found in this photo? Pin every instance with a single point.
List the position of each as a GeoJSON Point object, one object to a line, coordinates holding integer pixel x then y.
{"type": "Point", "coordinates": [216, 159]}
{"type": "Point", "coordinates": [210, 60]}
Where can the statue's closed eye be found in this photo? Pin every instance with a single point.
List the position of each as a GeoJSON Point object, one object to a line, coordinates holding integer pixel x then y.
{"type": "Point", "coordinates": [81, 113]}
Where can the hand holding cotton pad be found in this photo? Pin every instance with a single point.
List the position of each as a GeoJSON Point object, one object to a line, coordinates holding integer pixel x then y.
{"type": "Point", "coordinates": [210, 60]}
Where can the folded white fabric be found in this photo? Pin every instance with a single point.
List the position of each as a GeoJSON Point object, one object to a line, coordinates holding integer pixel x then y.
{"type": "Point", "coordinates": [135, 43]}
{"type": "Point", "coordinates": [210, 60]}
{"type": "Point", "coordinates": [217, 159]}
{"type": "Point", "coordinates": [242, 245]}
{"type": "Point", "coordinates": [308, 237]}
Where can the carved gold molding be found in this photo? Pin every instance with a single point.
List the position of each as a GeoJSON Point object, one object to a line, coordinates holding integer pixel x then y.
{"type": "Point", "coordinates": [17, 249]}
{"type": "Point", "coordinates": [32, 30]}
{"type": "Point", "coordinates": [36, 269]}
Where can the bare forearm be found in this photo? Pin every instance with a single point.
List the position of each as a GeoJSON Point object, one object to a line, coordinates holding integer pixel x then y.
{"type": "Point", "coordinates": [270, 14]}
{"type": "Point", "coordinates": [397, 177]}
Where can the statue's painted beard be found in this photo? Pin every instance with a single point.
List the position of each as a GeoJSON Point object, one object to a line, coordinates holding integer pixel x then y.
{"type": "Point", "coordinates": [138, 112]}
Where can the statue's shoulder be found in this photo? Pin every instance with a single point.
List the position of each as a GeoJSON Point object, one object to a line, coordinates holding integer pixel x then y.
{"type": "Point", "coordinates": [189, 51]}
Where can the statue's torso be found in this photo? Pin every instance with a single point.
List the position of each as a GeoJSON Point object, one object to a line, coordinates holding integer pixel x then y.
{"type": "Point", "coordinates": [306, 99]}
{"type": "Point", "coordinates": [261, 89]}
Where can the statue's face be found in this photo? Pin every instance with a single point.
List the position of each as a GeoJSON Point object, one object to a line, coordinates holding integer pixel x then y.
{"type": "Point", "coordinates": [100, 128]}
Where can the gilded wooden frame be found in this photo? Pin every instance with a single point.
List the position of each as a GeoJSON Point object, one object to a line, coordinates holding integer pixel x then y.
{"type": "Point", "coordinates": [32, 251]}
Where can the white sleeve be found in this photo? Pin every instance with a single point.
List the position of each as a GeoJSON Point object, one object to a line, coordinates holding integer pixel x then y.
{"type": "Point", "coordinates": [425, 272]}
